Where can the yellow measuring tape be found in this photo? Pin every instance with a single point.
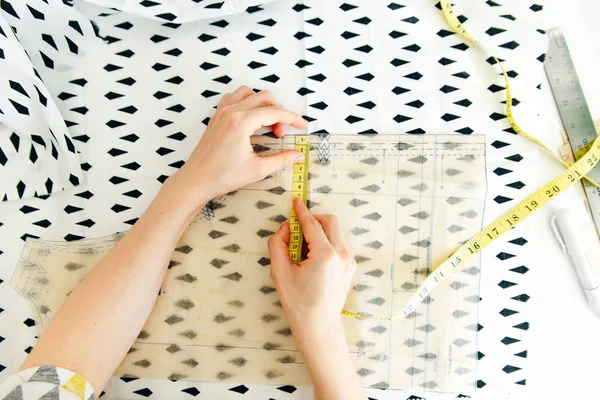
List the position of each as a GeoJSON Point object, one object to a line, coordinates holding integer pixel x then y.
{"type": "Point", "coordinates": [497, 228]}
{"type": "Point", "coordinates": [586, 157]}
{"type": "Point", "coordinates": [299, 189]}
{"type": "Point", "coordinates": [457, 27]}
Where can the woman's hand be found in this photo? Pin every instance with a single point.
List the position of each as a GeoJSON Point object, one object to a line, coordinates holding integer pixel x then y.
{"type": "Point", "coordinates": [313, 293]}
{"type": "Point", "coordinates": [223, 160]}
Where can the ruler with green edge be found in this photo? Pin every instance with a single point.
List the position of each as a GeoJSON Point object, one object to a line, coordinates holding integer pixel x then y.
{"type": "Point", "coordinates": [299, 189]}
{"type": "Point", "coordinates": [573, 110]}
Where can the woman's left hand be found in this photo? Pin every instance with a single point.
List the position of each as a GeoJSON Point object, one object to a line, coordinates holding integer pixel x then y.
{"type": "Point", "coordinates": [224, 160]}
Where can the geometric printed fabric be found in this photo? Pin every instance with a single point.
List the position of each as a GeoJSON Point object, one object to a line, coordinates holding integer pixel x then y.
{"type": "Point", "coordinates": [137, 95]}
{"type": "Point", "coordinates": [37, 154]}
{"type": "Point", "coordinates": [405, 202]}
{"type": "Point", "coordinates": [179, 11]}
{"type": "Point", "coordinates": [46, 383]}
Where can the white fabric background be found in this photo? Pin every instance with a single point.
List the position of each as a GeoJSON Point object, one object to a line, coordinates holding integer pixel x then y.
{"type": "Point", "coordinates": [106, 203]}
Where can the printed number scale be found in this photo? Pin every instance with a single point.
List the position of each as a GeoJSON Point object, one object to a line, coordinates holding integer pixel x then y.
{"type": "Point", "coordinates": [299, 189]}
{"type": "Point", "coordinates": [573, 110]}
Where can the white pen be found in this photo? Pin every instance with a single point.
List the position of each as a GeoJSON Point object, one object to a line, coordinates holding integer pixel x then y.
{"type": "Point", "coordinates": [568, 239]}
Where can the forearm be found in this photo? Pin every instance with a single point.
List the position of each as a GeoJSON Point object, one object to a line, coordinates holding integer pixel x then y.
{"type": "Point", "coordinates": [99, 321]}
{"type": "Point", "coordinates": [326, 355]}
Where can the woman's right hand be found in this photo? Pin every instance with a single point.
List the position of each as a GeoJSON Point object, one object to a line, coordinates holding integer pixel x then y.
{"type": "Point", "coordinates": [312, 292]}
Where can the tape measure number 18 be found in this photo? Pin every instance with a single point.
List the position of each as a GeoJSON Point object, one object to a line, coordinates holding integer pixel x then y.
{"type": "Point", "coordinates": [299, 189]}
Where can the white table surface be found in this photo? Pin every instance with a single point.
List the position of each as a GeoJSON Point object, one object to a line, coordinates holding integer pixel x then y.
{"type": "Point", "coordinates": [564, 348]}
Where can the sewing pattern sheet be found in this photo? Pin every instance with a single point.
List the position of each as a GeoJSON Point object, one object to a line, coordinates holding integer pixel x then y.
{"type": "Point", "coordinates": [135, 95]}
{"type": "Point", "coordinates": [406, 203]}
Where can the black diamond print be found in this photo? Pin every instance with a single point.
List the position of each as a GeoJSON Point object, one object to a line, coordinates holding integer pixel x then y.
{"type": "Point", "coordinates": [158, 38]}
{"type": "Point", "coordinates": [268, 22]}
{"type": "Point", "coordinates": [17, 87]}
{"type": "Point", "coordinates": [415, 104]}
{"type": "Point", "coordinates": [350, 91]}
{"type": "Point", "coordinates": [302, 63]}
{"type": "Point", "coordinates": [413, 47]}
{"type": "Point", "coordinates": [206, 66]}
{"type": "Point", "coordinates": [396, 34]}
{"type": "Point", "coordinates": [501, 199]}
{"type": "Point", "coordinates": [364, 49]}
{"type": "Point", "coordinates": [499, 144]}
{"type": "Point", "coordinates": [516, 185]}
{"type": "Point", "coordinates": [399, 90]}
{"type": "Point", "coordinates": [368, 105]}
{"type": "Point", "coordinates": [414, 76]}
{"type": "Point", "coordinates": [463, 103]}
{"type": "Point", "coordinates": [21, 109]}
{"type": "Point", "coordinates": [222, 51]}
{"type": "Point", "coordinates": [241, 389]}
{"type": "Point", "coordinates": [363, 21]}
{"type": "Point", "coordinates": [401, 118]}
{"type": "Point", "coordinates": [445, 61]}
{"type": "Point", "coordinates": [351, 119]}
{"type": "Point", "coordinates": [347, 7]}
{"type": "Point", "coordinates": [271, 78]}
{"type": "Point", "coordinates": [449, 117]}
{"type": "Point", "coordinates": [269, 50]}
{"type": "Point", "coordinates": [349, 35]}
{"type": "Point", "coordinates": [510, 45]}
{"type": "Point", "coordinates": [144, 392]}
{"type": "Point", "coordinates": [460, 46]}
{"type": "Point", "coordinates": [349, 63]}
{"type": "Point", "coordinates": [320, 105]}
{"type": "Point", "coordinates": [318, 77]}
{"type": "Point", "coordinates": [221, 23]}
{"type": "Point", "coordinates": [287, 389]}
{"type": "Point", "coordinates": [253, 36]}
{"type": "Point", "coordinates": [443, 33]}
{"type": "Point", "coordinates": [255, 65]}
{"type": "Point", "coordinates": [253, 9]}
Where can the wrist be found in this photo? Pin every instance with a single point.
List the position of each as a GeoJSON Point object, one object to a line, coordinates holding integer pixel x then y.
{"type": "Point", "coordinates": [313, 332]}
{"type": "Point", "coordinates": [183, 194]}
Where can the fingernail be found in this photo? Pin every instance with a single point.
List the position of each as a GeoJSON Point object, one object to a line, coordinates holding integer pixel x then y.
{"type": "Point", "coordinates": [300, 157]}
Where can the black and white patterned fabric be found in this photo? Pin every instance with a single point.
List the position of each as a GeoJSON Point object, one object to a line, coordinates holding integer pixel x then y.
{"type": "Point", "coordinates": [179, 11]}
{"type": "Point", "coordinates": [37, 155]}
{"type": "Point", "coordinates": [135, 95]}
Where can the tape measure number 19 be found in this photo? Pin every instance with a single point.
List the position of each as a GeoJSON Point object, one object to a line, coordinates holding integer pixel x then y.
{"type": "Point", "coordinates": [299, 189]}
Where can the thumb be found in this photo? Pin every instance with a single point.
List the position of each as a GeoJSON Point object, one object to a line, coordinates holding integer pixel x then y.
{"type": "Point", "coordinates": [278, 248]}
{"type": "Point", "coordinates": [277, 162]}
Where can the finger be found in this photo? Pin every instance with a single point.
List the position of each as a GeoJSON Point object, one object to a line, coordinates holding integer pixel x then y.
{"type": "Point", "coordinates": [278, 248]}
{"type": "Point", "coordinates": [238, 95]}
{"type": "Point", "coordinates": [279, 130]}
{"type": "Point", "coordinates": [267, 116]}
{"type": "Point", "coordinates": [333, 231]}
{"type": "Point", "coordinates": [224, 100]}
{"type": "Point", "coordinates": [313, 232]}
{"type": "Point", "coordinates": [264, 98]}
{"type": "Point", "coordinates": [278, 161]}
